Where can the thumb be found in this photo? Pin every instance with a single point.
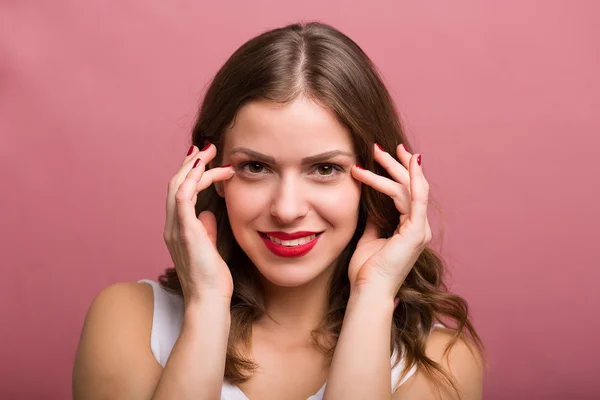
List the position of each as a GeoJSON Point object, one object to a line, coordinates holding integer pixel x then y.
{"type": "Point", "coordinates": [209, 222]}
{"type": "Point", "coordinates": [371, 231]}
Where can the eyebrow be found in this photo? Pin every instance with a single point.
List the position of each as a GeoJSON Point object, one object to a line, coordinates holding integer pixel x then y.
{"type": "Point", "coordinates": [306, 160]}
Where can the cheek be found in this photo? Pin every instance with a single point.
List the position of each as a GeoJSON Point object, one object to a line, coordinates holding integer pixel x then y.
{"type": "Point", "coordinates": [339, 204]}
{"type": "Point", "coordinates": [244, 201]}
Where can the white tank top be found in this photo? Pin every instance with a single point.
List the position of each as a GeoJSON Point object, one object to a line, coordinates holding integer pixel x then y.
{"type": "Point", "coordinates": [166, 324]}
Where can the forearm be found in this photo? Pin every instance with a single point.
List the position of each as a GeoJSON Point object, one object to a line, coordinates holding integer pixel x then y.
{"type": "Point", "coordinates": [361, 363]}
{"type": "Point", "coordinates": [197, 362]}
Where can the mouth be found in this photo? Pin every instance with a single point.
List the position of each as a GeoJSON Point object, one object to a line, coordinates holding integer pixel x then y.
{"type": "Point", "coordinates": [290, 248]}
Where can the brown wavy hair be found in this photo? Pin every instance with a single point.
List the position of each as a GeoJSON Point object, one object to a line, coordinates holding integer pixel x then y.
{"type": "Point", "coordinates": [319, 62]}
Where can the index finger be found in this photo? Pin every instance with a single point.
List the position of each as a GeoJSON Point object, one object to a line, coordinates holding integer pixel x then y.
{"type": "Point", "coordinates": [419, 188]}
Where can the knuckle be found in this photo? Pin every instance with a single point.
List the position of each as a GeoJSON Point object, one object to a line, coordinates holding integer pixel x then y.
{"type": "Point", "coordinates": [427, 238]}
{"type": "Point", "coordinates": [181, 195]}
{"type": "Point", "coordinates": [172, 185]}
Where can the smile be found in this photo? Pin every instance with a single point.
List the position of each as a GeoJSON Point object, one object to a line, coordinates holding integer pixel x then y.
{"type": "Point", "coordinates": [292, 243]}
{"type": "Point", "coordinates": [296, 247]}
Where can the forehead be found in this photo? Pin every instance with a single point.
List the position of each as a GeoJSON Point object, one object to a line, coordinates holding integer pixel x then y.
{"type": "Point", "coordinates": [288, 131]}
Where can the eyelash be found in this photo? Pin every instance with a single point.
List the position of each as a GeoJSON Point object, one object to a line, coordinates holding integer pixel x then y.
{"type": "Point", "coordinates": [242, 166]}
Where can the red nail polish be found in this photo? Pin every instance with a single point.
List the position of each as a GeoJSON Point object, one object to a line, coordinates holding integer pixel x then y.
{"type": "Point", "coordinates": [379, 147]}
{"type": "Point", "coordinates": [226, 166]}
{"type": "Point", "coordinates": [359, 167]}
{"type": "Point", "coordinates": [206, 147]}
{"type": "Point", "coordinates": [190, 150]}
{"type": "Point", "coordinates": [419, 159]}
{"type": "Point", "coordinates": [196, 163]}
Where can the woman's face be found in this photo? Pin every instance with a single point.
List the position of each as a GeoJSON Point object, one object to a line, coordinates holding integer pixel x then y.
{"type": "Point", "coordinates": [292, 182]}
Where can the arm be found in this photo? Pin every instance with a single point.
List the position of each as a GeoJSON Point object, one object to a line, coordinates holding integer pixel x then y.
{"type": "Point", "coordinates": [463, 362]}
{"type": "Point", "coordinates": [361, 367]}
{"type": "Point", "coordinates": [197, 362]}
{"type": "Point", "coordinates": [361, 364]}
{"type": "Point", "coordinates": [114, 359]}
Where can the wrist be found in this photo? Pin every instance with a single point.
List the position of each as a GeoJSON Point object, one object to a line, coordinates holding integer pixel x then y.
{"type": "Point", "coordinates": [373, 297]}
{"type": "Point", "coordinates": [215, 308]}
{"type": "Point", "coordinates": [205, 296]}
{"type": "Point", "coordinates": [373, 292]}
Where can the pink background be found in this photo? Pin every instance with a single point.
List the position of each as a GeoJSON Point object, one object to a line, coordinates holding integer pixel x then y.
{"type": "Point", "coordinates": [500, 97]}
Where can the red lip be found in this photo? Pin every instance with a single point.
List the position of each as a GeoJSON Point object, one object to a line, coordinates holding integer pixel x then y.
{"type": "Point", "coordinates": [290, 236]}
{"type": "Point", "coordinates": [289, 251]}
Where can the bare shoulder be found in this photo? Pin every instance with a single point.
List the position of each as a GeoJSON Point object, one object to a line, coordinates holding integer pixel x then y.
{"type": "Point", "coordinates": [114, 359]}
{"type": "Point", "coordinates": [463, 362]}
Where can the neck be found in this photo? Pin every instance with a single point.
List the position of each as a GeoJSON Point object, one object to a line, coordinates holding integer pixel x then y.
{"type": "Point", "coordinates": [295, 311]}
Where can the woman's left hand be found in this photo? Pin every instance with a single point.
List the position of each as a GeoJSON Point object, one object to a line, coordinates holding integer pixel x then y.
{"type": "Point", "coordinates": [379, 263]}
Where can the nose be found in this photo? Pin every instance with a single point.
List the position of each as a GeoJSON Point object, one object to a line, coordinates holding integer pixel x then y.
{"type": "Point", "coordinates": [289, 202]}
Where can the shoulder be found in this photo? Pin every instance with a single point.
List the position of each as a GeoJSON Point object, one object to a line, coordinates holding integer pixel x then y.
{"type": "Point", "coordinates": [134, 293]}
{"type": "Point", "coordinates": [121, 302]}
{"type": "Point", "coordinates": [114, 358]}
{"type": "Point", "coordinates": [462, 361]}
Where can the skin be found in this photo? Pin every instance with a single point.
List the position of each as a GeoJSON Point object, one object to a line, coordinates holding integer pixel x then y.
{"type": "Point", "coordinates": [114, 359]}
{"type": "Point", "coordinates": [288, 195]}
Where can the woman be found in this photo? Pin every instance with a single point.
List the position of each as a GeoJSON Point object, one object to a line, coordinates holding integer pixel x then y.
{"type": "Point", "coordinates": [299, 239]}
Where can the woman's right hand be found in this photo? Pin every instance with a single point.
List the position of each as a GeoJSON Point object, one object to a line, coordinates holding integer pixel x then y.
{"type": "Point", "coordinates": [192, 240]}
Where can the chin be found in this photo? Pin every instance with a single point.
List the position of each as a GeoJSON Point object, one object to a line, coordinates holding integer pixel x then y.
{"type": "Point", "coordinates": [294, 272]}
{"type": "Point", "coordinates": [289, 275]}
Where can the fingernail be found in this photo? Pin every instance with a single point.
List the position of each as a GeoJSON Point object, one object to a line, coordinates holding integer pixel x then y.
{"type": "Point", "coordinates": [206, 147]}
{"type": "Point", "coordinates": [190, 150]}
{"type": "Point", "coordinates": [196, 163]}
{"type": "Point", "coordinates": [359, 167]}
{"type": "Point", "coordinates": [419, 159]}
{"type": "Point", "coordinates": [396, 302]}
{"type": "Point", "coordinates": [403, 146]}
{"type": "Point", "coordinates": [226, 166]}
{"type": "Point", "coordinates": [379, 147]}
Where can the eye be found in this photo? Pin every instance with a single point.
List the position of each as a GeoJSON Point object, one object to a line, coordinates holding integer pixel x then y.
{"type": "Point", "coordinates": [329, 171]}
{"type": "Point", "coordinates": [251, 168]}
{"type": "Point", "coordinates": [325, 169]}
{"type": "Point", "coordinates": [255, 168]}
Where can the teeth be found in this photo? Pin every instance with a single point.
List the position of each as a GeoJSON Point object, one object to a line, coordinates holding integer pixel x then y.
{"type": "Point", "coordinates": [291, 243]}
